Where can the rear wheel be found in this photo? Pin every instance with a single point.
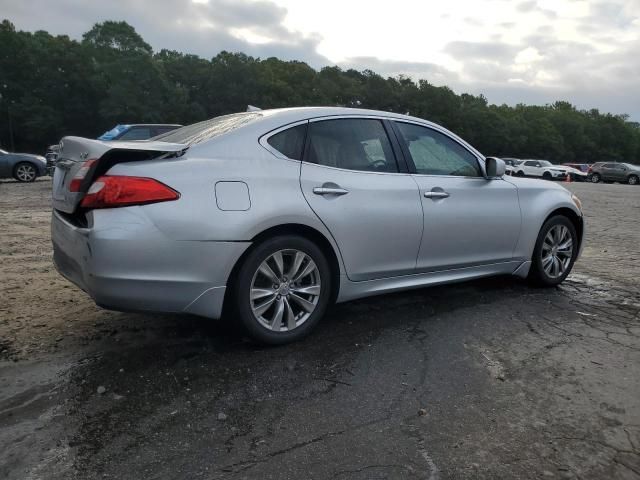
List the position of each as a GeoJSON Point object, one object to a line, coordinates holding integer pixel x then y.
{"type": "Point", "coordinates": [25, 172]}
{"type": "Point", "coordinates": [555, 252]}
{"type": "Point", "coordinates": [282, 289]}
{"type": "Point", "coordinates": [633, 180]}
{"type": "Point", "coordinates": [595, 178]}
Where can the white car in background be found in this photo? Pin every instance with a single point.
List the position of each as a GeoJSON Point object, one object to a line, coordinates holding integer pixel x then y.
{"type": "Point", "coordinates": [576, 174]}
{"type": "Point", "coordinates": [540, 168]}
{"type": "Point", "coordinates": [511, 164]}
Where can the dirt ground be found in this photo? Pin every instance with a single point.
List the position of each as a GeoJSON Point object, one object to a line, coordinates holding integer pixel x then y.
{"type": "Point", "coordinates": [489, 379]}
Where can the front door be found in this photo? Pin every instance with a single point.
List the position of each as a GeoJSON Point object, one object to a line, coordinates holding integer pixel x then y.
{"type": "Point", "coordinates": [469, 220]}
{"type": "Point", "coordinates": [351, 180]}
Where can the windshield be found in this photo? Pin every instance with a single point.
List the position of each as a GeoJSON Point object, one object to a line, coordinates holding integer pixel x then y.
{"type": "Point", "coordinates": [113, 133]}
{"type": "Point", "coordinates": [199, 132]}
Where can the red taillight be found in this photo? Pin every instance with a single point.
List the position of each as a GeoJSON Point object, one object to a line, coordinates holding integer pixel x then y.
{"type": "Point", "coordinates": [78, 178]}
{"type": "Point", "coordinates": [117, 191]}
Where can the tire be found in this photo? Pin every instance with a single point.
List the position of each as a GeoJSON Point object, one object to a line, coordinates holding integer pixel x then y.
{"type": "Point", "coordinates": [25, 172]}
{"type": "Point", "coordinates": [632, 180]}
{"type": "Point", "coordinates": [547, 176]}
{"type": "Point", "coordinates": [549, 273]}
{"type": "Point", "coordinates": [520, 174]}
{"type": "Point", "coordinates": [301, 303]}
{"type": "Point", "coordinates": [595, 178]}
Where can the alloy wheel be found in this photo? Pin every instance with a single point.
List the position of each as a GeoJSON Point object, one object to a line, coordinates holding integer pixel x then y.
{"type": "Point", "coordinates": [557, 251]}
{"type": "Point", "coordinates": [26, 172]}
{"type": "Point", "coordinates": [633, 180]}
{"type": "Point", "coordinates": [285, 290]}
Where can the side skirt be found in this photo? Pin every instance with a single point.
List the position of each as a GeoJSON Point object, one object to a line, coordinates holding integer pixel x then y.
{"type": "Point", "coordinates": [351, 290]}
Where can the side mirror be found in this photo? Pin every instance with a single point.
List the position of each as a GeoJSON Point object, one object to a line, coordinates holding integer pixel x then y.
{"type": "Point", "coordinates": [495, 167]}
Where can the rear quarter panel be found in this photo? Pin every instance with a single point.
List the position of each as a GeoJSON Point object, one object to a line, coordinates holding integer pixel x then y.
{"type": "Point", "coordinates": [273, 184]}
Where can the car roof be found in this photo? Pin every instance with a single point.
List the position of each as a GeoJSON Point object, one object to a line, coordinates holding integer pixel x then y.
{"type": "Point", "coordinates": [279, 117]}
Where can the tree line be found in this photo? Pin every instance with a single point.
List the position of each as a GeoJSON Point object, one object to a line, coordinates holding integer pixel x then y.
{"type": "Point", "coordinates": [51, 86]}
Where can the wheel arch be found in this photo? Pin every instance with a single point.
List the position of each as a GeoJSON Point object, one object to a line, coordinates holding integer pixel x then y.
{"type": "Point", "coordinates": [20, 162]}
{"type": "Point", "coordinates": [302, 230]}
{"type": "Point", "coordinates": [573, 217]}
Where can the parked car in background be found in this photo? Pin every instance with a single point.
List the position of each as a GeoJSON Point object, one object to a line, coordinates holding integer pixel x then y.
{"type": "Point", "coordinates": [583, 167]}
{"type": "Point", "coordinates": [615, 172]}
{"type": "Point", "coordinates": [575, 174]}
{"type": "Point", "coordinates": [24, 167]}
{"type": "Point", "coordinates": [540, 168]}
{"type": "Point", "coordinates": [278, 213]}
{"type": "Point", "coordinates": [52, 157]}
{"type": "Point", "coordinates": [510, 164]}
{"type": "Point", "coordinates": [139, 131]}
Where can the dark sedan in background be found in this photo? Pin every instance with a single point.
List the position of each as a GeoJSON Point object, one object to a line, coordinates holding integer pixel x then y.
{"type": "Point", "coordinates": [615, 172]}
{"type": "Point", "coordinates": [24, 167]}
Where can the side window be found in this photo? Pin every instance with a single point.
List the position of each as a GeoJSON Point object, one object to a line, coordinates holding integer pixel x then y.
{"type": "Point", "coordinates": [352, 144]}
{"type": "Point", "coordinates": [434, 153]}
{"type": "Point", "coordinates": [136, 134]}
{"type": "Point", "coordinates": [290, 142]}
{"type": "Point", "coordinates": [531, 164]}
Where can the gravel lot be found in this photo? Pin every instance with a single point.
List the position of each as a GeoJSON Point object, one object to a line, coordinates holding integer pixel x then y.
{"type": "Point", "coordinates": [490, 379]}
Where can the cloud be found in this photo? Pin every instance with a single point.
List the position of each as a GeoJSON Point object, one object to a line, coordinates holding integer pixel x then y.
{"type": "Point", "coordinates": [526, 6]}
{"type": "Point", "coordinates": [204, 29]}
{"type": "Point", "coordinates": [487, 51]}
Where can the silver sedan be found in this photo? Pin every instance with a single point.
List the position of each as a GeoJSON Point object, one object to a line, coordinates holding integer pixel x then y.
{"type": "Point", "coordinates": [272, 215]}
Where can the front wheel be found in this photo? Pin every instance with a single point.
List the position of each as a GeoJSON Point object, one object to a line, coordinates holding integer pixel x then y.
{"type": "Point", "coordinates": [633, 180]}
{"type": "Point", "coordinates": [547, 176]}
{"type": "Point", "coordinates": [25, 172]}
{"type": "Point", "coordinates": [555, 252]}
{"type": "Point", "coordinates": [595, 178]}
{"type": "Point", "coordinates": [282, 289]}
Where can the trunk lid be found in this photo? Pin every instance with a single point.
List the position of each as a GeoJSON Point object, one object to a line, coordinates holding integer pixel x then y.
{"type": "Point", "coordinates": [74, 151]}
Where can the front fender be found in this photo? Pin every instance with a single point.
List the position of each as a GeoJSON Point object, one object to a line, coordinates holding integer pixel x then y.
{"type": "Point", "coordinates": [539, 199]}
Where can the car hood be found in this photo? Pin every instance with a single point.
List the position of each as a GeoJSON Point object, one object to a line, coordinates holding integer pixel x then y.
{"type": "Point", "coordinates": [537, 183]}
{"type": "Point", "coordinates": [30, 156]}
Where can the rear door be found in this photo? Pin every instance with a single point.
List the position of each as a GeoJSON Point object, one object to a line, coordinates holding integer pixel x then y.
{"type": "Point", "coordinates": [607, 172]}
{"type": "Point", "coordinates": [469, 220]}
{"type": "Point", "coordinates": [532, 168]}
{"type": "Point", "coordinates": [352, 180]}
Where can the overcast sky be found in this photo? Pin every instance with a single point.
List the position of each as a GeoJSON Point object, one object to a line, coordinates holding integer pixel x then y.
{"type": "Point", "coordinates": [530, 51]}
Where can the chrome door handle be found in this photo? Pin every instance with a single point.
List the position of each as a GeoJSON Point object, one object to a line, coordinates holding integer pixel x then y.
{"type": "Point", "coordinates": [330, 191]}
{"type": "Point", "coordinates": [436, 194]}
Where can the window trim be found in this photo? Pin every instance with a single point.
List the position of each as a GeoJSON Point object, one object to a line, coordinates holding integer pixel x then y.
{"type": "Point", "coordinates": [400, 162]}
{"type": "Point", "coordinates": [411, 163]}
{"type": "Point", "coordinates": [263, 140]}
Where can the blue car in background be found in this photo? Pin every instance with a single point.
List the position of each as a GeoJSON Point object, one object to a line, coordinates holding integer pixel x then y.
{"type": "Point", "coordinates": [138, 131]}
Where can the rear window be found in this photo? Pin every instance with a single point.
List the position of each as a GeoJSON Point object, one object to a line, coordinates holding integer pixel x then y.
{"type": "Point", "coordinates": [202, 131]}
{"type": "Point", "coordinates": [290, 142]}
